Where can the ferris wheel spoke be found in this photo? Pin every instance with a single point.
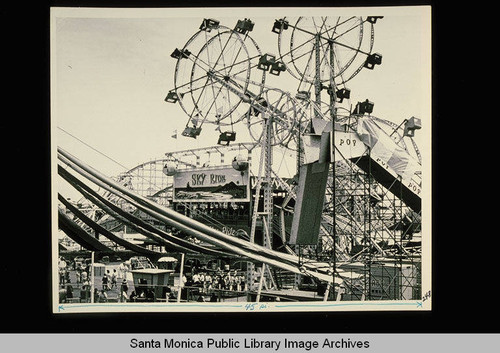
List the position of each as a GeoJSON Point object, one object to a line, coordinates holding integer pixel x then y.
{"type": "Point", "coordinates": [177, 88]}
{"type": "Point", "coordinates": [212, 100]}
{"type": "Point", "coordinates": [339, 45]}
{"type": "Point", "coordinates": [325, 57]}
{"type": "Point", "coordinates": [300, 29]}
{"type": "Point", "coordinates": [219, 111]}
{"type": "Point", "coordinates": [194, 80]}
{"type": "Point", "coordinates": [318, 30]}
{"type": "Point", "coordinates": [226, 69]}
{"type": "Point", "coordinates": [223, 48]}
{"type": "Point", "coordinates": [329, 54]}
{"type": "Point", "coordinates": [206, 48]}
{"type": "Point", "coordinates": [194, 90]}
{"type": "Point", "coordinates": [214, 103]}
{"type": "Point", "coordinates": [333, 29]}
{"type": "Point", "coordinates": [234, 64]}
{"type": "Point", "coordinates": [206, 98]}
{"type": "Point", "coordinates": [321, 35]}
{"type": "Point", "coordinates": [294, 61]}
{"type": "Point", "coordinates": [299, 56]}
{"type": "Point", "coordinates": [197, 101]}
{"type": "Point", "coordinates": [221, 57]}
{"type": "Point", "coordinates": [332, 55]}
{"type": "Point", "coordinates": [357, 50]}
{"type": "Point", "coordinates": [334, 40]}
{"type": "Point", "coordinates": [222, 110]}
{"type": "Point", "coordinates": [309, 65]}
{"type": "Point", "coordinates": [197, 61]}
{"type": "Point", "coordinates": [338, 24]}
{"type": "Point", "coordinates": [346, 32]}
{"type": "Point", "coordinates": [296, 48]}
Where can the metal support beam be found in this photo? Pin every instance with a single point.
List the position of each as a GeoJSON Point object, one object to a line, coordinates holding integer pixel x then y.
{"type": "Point", "coordinates": [317, 73]}
{"type": "Point", "coordinates": [181, 274]}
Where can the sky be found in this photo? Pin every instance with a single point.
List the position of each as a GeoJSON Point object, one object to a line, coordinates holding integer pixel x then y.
{"type": "Point", "coordinates": [111, 70]}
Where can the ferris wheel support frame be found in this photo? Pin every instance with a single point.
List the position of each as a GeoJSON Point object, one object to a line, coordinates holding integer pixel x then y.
{"type": "Point", "coordinates": [317, 84]}
{"type": "Point", "coordinates": [263, 182]}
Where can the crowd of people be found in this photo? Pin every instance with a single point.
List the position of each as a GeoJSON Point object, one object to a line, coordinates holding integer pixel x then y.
{"type": "Point", "coordinates": [110, 282]}
{"type": "Point", "coordinates": [229, 280]}
{"type": "Point", "coordinates": [82, 271]}
{"type": "Point", "coordinates": [198, 281]}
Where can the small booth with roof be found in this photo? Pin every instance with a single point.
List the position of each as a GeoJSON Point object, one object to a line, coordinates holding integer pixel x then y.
{"type": "Point", "coordinates": [151, 284]}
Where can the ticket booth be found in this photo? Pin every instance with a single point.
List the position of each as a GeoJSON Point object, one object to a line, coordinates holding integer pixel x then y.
{"type": "Point", "coordinates": [151, 283]}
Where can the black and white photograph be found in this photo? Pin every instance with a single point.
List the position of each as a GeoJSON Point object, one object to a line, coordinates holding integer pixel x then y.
{"type": "Point", "coordinates": [241, 159]}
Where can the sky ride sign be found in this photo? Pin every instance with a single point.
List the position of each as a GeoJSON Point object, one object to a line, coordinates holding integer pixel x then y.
{"type": "Point", "coordinates": [212, 185]}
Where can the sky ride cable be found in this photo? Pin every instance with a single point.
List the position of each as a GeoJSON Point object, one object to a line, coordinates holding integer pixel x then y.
{"type": "Point", "coordinates": [134, 222]}
{"type": "Point", "coordinates": [187, 223]}
{"type": "Point", "coordinates": [261, 256]}
{"type": "Point", "coordinates": [179, 218]}
{"type": "Point", "coordinates": [195, 233]}
{"type": "Point", "coordinates": [220, 243]}
{"type": "Point", "coordinates": [101, 230]}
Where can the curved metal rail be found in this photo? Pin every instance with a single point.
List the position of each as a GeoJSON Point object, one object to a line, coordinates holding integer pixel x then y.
{"type": "Point", "coordinates": [199, 230]}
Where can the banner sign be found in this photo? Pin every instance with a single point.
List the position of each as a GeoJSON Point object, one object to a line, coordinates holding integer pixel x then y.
{"type": "Point", "coordinates": [348, 145]}
{"type": "Point", "coordinates": [386, 152]}
{"type": "Point", "coordinates": [319, 148]}
{"type": "Point", "coordinates": [211, 185]}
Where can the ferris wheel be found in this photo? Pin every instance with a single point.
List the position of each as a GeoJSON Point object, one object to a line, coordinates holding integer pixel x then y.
{"type": "Point", "coordinates": [323, 54]}
{"type": "Point", "coordinates": [327, 50]}
{"type": "Point", "coordinates": [214, 75]}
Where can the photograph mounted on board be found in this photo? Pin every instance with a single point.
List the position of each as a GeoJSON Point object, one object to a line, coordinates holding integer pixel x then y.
{"type": "Point", "coordinates": [240, 160]}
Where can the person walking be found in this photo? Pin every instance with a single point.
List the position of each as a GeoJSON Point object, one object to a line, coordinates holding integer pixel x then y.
{"type": "Point", "coordinates": [105, 282]}
{"type": "Point", "coordinates": [108, 275]}
{"type": "Point", "coordinates": [113, 279]}
{"type": "Point", "coordinates": [123, 291]}
{"type": "Point", "coordinates": [121, 271]}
